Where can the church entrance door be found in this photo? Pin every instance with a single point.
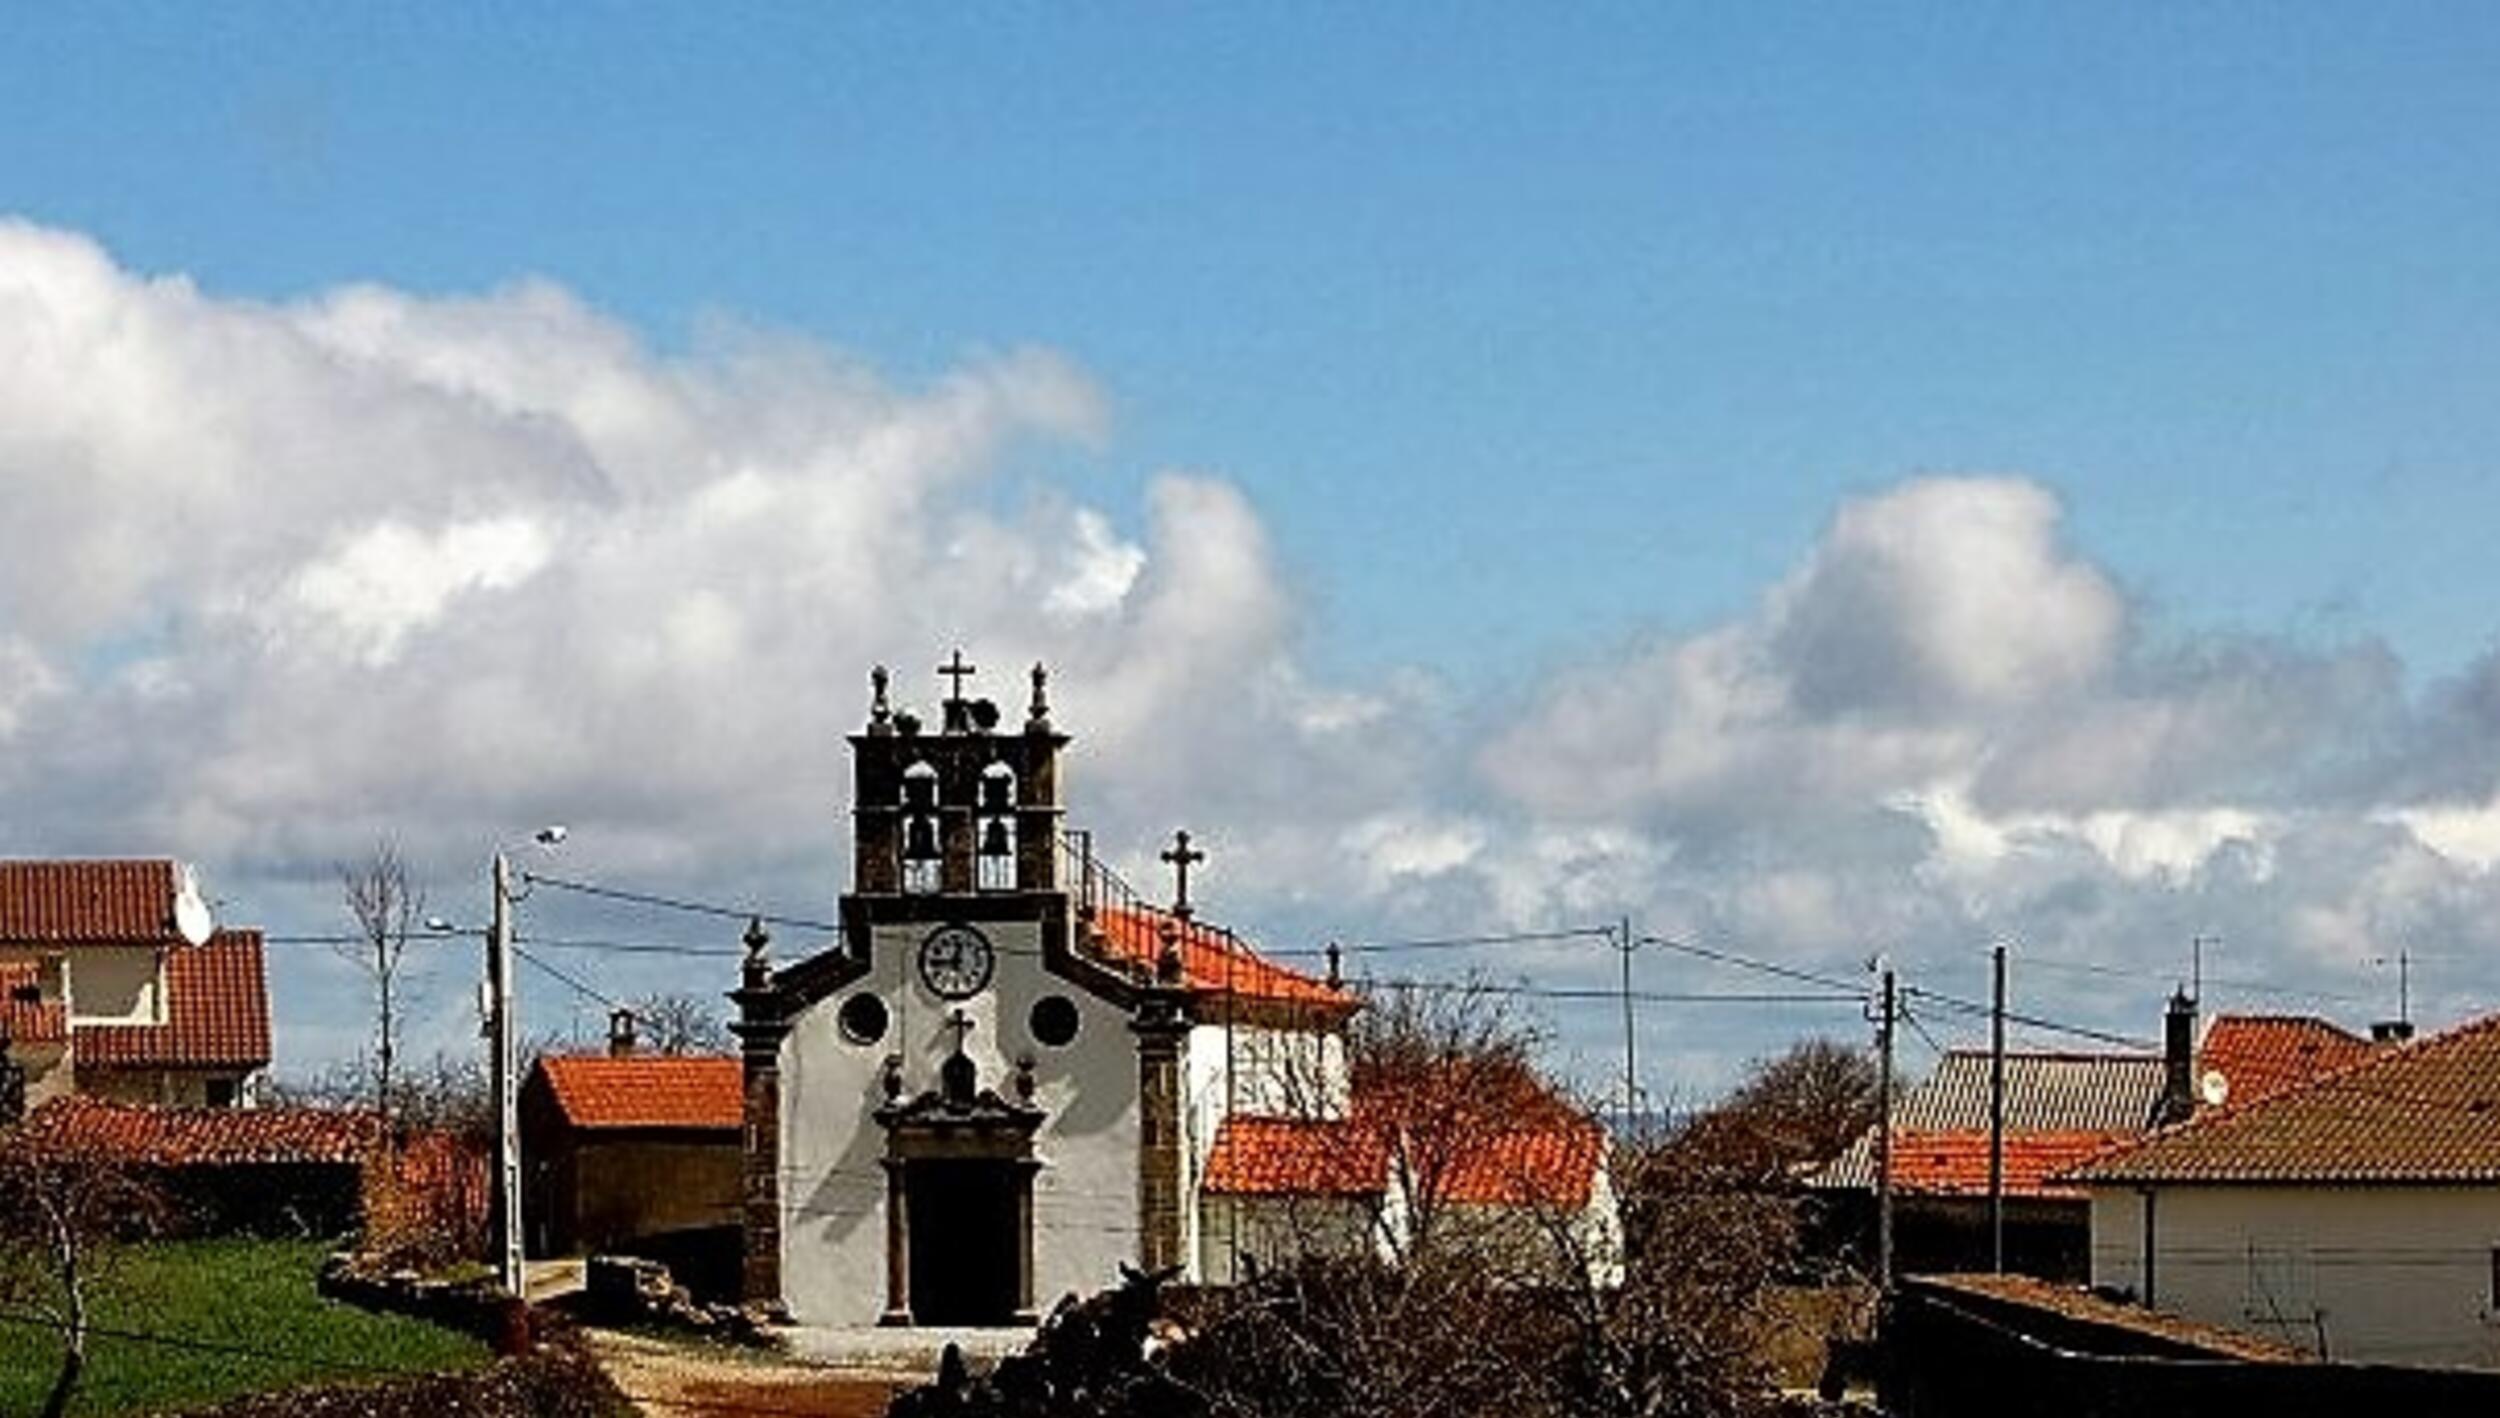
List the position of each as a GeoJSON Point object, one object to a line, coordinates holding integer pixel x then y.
{"type": "Point", "coordinates": [966, 1241]}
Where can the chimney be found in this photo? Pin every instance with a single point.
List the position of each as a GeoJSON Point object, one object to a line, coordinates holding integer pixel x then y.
{"type": "Point", "coordinates": [2178, 1057]}
{"type": "Point", "coordinates": [621, 1034]}
{"type": "Point", "coordinates": [2391, 1031]}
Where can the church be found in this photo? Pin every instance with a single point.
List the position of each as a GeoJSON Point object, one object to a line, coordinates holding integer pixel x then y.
{"type": "Point", "coordinates": [1010, 1075]}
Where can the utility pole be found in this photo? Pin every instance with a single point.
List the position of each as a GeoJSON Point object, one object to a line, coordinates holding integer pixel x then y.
{"type": "Point", "coordinates": [1996, 1120]}
{"type": "Point", "coordinates": [504, 1069]}
{"type": "Point", "coordinates": [1883, 1139]}
{"type": "Point", "coordinates": [1631, 1073]}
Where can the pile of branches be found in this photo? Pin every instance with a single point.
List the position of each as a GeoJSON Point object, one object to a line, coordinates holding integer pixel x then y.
{"type": "Point", "coordinates": [1098, 1358]}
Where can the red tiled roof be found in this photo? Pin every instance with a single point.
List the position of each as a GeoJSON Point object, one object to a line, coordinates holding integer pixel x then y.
{"type": "Point", "coordinates": [2424, 1112]}
{"type": "Point", "coordinates": [1553, 1163]}
{"type": "Point", "coordinates": [89, 901]}
{"type": "Point", "coordinates": [703, 1091]}
{"type": "Point", "coordinates": [1294, 1157]}
{"type": "Point", "coordinates": [1496, 1136]}
{"type": "Point", "coordinates": [1955, 1163]}
{"type": "Point", "coordinates": [28, 1021]}
{"type": "Point", "coordinates": [1213, 961]}
{"type": "Point", "coordinates": [2259, 1055]}
{"type": "Point", "coordinates": [216, 1013]}
{"type": "Point", "coordinates": [177, 1137]}
{"type": "Point", "coordinates": [1480, 1140]}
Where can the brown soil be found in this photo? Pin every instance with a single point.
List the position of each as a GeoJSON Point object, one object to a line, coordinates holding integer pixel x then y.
{"type": "Point", "coordinates": [671, 1379]}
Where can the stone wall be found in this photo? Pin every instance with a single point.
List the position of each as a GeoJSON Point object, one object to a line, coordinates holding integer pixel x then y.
{"type": "Point", "coordinates": [1946, 1353]}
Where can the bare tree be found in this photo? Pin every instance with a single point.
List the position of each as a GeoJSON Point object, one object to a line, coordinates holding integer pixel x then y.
{"type": "Point", "coordinates": [682, 1024]}
{"type": "Point", "coordinates": [388, 908]}
{"type": "Point", "coordinates": [64, 1209]}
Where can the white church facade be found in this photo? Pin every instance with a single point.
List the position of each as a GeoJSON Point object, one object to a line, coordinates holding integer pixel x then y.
{"type": "Point", "coordinates": [1009, 1075]}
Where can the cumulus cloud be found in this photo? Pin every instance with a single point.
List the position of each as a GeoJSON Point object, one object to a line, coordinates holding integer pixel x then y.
{"type": "Point", "coordinates": [285, 577]}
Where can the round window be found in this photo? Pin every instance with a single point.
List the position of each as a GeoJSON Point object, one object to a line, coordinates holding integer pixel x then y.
{"type": "Point", "coordinates": [862, 1019]}
{"type": "Point", "coordinates": [1054, 1020]}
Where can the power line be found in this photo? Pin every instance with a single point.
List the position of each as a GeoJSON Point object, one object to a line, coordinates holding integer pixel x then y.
{"type": "Point", "coordinates": [206, 1346]}
{"type": "Point", "coordinates": [1855, 989]}
{"type": "Point", "coordinates": [1595, 992]}
{"type": "Point", "coordinates": [676, 903]}
{"type": "Point", "coordinates": [1459, 942]}
{"type": "Point", "coordinates": [2033, 1021]}
{"type": "Point", "coordinates": [571, 981]}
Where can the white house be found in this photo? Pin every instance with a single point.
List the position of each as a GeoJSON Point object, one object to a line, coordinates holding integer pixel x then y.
{"type": "Point", "coordinates": [115, 984]}
{"type": "Point", "coordinates": [1010, 1075]}
{"type": "Point", "coordinates": [2356, 1215]}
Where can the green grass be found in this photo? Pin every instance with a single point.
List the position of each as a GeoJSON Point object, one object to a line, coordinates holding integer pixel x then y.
{"type": "Point", "coordinates": [255, 1295]}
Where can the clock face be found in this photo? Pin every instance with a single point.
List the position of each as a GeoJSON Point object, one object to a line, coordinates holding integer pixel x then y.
{"type": "Point", "coordinates": [956, 962]}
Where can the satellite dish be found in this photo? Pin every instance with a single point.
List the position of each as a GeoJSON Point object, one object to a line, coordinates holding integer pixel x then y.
{"type": "Point", "coordinates": [2214, 1088]}
{"type": "Point", "coordinates": [192, 920]}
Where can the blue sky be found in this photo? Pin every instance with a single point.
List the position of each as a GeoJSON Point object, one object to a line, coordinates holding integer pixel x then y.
{"type": "Point", "coordinates": [1823, 481]}
{"type": "Point", "coordinates": [1614, 301]}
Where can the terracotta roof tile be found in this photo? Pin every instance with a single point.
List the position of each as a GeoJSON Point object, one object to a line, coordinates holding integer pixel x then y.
{"type": "Point", "coordinates": [2074, 1304]}
{"type": "Point", "coordinates": [700, 1091]}
{"type": "Point", "coordinates": [25, 1016]}
{"type": "Point", "coordinates": [87, 901]}
{"type": "Point", "coordinates": [1294, 1157]}
{"type": "Point", "coordinates": [2259, 1055]}
{"type": "Point", "coordinates": [175, 1137]}
{"type": "Point", "coordinates": [1956, 1163]}
{"type": "Point", "coordinates": [2423, 1112]}
{"type": "Point", "coordinates": [1490, 1145]}
{"type": "Point", "coordinates": [2062, 1109]}
{"type": "Point", "coordinates": [216, 1012]}
{"type": "Point", "coordinates": [1214, 961]}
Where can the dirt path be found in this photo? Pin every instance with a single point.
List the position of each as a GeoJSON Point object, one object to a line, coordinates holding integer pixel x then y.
{"type": "Point", "coordinates": [668, 1379]}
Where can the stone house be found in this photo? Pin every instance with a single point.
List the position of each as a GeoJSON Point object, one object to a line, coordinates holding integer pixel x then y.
{"type": "Point", "coordinates": [2356, 1216]}
{"type": "Point", "coordinates": [631, 1152]}
{"type": "Point", "coordinates": [115, 985]}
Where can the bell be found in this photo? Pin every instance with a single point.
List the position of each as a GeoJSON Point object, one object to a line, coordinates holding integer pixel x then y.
{"type": "Point", "coordinates": [920, 840]}
{"type": "Point", "coordinates": [920, 791]}
{"type": "Point", "coordinates": [994, 839]}
{"type": "Point", "coordinates": [994, 793]}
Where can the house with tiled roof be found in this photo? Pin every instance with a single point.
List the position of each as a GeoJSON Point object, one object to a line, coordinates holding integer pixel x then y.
{"type": "Point", "coordinates": [2355, 1214]}
{"type": "Point", "coordinates": [632, 1151]}
{"type": "Point", "coordinates": [114, 984]}
{"type": "Point", "coordinates": [289, 1171]}
{"type": "Point", "coordinates": [2062, 1108]}
{"type": "Point", "coordinates": [1008, 1074]}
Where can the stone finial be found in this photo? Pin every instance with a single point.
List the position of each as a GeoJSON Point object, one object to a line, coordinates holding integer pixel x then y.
{"type": "Point", "coordinates": [758, 968]}
{"type": "Point", "coordinates": [1168, 961]}
{"type": "Point", "coordinates": [1037, 715]}
{"type": "Point", "coordinates": [880, 712]}
{"type": "Point", "coordinates": [891, 1077]}
{"type": "Point", "coordinates": [1336, 967]}
{"type": "Point", "coordinates": [1024, 1077]}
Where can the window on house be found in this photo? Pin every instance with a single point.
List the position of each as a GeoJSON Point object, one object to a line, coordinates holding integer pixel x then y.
{"type": "Point", "coordinates": [221, 1092]}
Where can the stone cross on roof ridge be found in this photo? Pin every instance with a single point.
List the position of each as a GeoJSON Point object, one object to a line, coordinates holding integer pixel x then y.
{"type": "Point", "coordinates": [1182, 857]}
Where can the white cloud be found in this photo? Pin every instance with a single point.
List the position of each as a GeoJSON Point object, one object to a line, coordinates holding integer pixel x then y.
{"type": "Point", "coordinates": [285, 577]}
{"type": "Point", "coordinates": [390, 580]}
